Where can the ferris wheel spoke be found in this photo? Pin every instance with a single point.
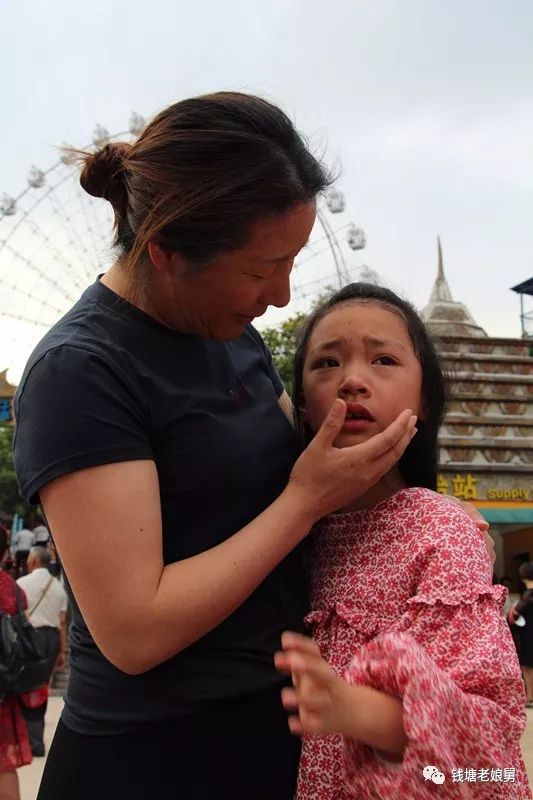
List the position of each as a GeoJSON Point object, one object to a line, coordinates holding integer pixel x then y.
{"type": "Point", "coordinates": [40, 273]}
{"type": "Point", "coordinates": [89, 228]}
{"type": "Point", "coordinates": [28, 297]}
{"type": "Point", "coordinates": [41, 236]}
{"type": "Point", "coordinates": [77, 278]}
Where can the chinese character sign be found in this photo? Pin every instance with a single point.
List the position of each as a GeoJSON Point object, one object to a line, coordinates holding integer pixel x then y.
{"type": "Point", "coordinates": [464, 487]}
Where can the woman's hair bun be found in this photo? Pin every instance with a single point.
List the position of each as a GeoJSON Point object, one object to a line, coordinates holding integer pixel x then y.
{"type": "Point", "coordinates": [103, 171]}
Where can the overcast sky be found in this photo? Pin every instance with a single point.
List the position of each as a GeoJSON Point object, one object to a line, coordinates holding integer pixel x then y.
{"type": "Point", "coordinates": [426, 106]}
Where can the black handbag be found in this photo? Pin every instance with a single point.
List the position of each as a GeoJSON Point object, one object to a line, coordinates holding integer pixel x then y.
{"type": "Point", "coordinates": [23, 663]}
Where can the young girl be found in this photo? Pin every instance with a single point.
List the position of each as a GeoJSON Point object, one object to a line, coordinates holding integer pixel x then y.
{"type": "Point", "coordinates": [411, 687]}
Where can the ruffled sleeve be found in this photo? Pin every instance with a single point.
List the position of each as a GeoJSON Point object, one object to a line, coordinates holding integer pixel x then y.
{"type": "Point", "coordinates": [452, 661]}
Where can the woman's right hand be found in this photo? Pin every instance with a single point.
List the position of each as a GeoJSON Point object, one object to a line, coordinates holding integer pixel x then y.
{"type": "Point", "coordinates": [326, 478]}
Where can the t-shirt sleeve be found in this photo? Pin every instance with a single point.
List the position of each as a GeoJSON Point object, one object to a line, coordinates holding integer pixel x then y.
{"type": "Point", "coordinates": [271, 369]}
{"type": "Point", "coordinates": [75, 410]}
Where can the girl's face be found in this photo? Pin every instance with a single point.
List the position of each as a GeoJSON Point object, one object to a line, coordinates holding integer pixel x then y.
{"type": "Point", "coordinates": [362, 353]}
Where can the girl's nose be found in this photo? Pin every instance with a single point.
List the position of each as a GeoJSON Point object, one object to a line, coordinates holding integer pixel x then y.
{"type": "Point", "coordinates": [353, 386]}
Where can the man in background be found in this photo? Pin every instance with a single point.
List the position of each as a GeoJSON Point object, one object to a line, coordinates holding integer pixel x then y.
{"type": "Point", "coordinates": [40, 536]}
{"type": "Point", "coordinates": [21, 544]}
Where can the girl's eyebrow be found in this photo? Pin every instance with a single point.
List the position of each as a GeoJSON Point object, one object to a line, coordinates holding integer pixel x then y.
{"type": "Point", "coordinates": [331, 344]}
{"type": "Point", "coordinates": [384, 342]}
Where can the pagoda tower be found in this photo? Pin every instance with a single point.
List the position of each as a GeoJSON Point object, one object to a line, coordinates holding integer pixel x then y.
{"type": "Point", "coordinates": [486, 440]}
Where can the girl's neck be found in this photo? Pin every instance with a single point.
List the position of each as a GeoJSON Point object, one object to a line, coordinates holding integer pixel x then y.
{"type": "Point", "coordinates": [389, 484]}
{"type": "Point", "coordinates": [528, 584]}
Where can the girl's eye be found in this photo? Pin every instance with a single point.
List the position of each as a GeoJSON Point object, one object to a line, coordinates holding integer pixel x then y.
{"type": "Point", "coordinates": [385, 361]}
{"type": "Point", "coordinates": [325, 363]}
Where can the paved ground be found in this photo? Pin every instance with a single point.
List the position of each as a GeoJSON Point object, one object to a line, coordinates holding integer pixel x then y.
{"type": "Point", "coordinates": [30, 776]}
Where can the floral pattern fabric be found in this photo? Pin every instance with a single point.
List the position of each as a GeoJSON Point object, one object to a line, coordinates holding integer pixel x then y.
{"type": "Point", "coordinates": [14, 743]}
{"type": "Point", "coordinates": [402, 600]}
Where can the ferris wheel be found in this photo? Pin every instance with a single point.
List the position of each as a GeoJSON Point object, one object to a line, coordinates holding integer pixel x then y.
{"type": "Point", "coordinates": [55, 239]}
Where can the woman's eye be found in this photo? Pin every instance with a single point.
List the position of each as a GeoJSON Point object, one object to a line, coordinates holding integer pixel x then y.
{"type": "Point", "coordinates": [325, 363]}
{"type": "Point", "coordinates": [385, 361]}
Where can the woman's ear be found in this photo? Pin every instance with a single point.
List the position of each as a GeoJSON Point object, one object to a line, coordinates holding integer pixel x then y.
{"type": "Point", "coordinates": [165, 260]}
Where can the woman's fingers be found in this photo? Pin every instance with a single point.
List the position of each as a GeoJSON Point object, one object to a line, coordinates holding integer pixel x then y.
{"type": "Point", "coordinates": [392, 441]}
{"type": "Point", "coordinates": [330, 428]}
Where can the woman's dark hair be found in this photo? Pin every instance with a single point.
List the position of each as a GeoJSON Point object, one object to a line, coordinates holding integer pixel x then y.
{"type": "Point", "coordinates": [526, 570]}
{"type": "Point", "coordinates": [200, 174]}
{"type": "Point", "coordinates": [418, 465]}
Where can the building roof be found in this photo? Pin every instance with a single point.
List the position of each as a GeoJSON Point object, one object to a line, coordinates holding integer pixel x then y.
{"type": "Point", "coordinates": [524, 288]}
{"type": "Point", "coordinates": [443, 315]}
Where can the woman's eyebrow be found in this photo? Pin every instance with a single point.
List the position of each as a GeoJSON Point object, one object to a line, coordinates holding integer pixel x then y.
{"type": "Point", "coordinates": [287, 257]}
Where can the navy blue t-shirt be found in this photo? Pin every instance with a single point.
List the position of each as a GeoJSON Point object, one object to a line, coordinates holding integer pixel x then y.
{"type": "Point", "coordinates": [108, 384]}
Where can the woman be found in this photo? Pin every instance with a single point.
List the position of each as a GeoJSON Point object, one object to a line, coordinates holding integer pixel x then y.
{"type": "Point", "coordinates": [14, 742]}
{"type": "Point", "coordinates": [154, 430]}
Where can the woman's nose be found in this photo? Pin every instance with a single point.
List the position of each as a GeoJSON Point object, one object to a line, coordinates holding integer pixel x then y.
{"type": "Point", "coordinates": [279, 289]}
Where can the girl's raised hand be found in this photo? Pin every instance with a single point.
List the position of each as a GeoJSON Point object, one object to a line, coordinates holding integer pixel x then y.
{"type": "Point", "coordinates": [318, 696]}
{"type": "Point", "coordinates": [326, 478]}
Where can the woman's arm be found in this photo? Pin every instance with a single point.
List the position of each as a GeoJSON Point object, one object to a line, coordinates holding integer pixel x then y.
{"type": "Point", "coordinates": [141, 612]}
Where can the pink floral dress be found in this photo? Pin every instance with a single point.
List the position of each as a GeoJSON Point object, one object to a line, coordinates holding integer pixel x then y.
{"type": "Point", "coordinates": [402, 600]}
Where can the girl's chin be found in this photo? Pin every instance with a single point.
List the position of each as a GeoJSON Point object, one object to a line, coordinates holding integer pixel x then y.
{"type": "Point", "coordinates": [349, 438]}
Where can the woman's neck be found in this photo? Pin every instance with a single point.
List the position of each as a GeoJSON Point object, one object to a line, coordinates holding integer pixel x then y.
{"type": "Point", "coordinates": [389, 484]}
{"type": "Point", "coordinates": [529, 584]}
{"type": "Point", "coordinates": [116, 280]}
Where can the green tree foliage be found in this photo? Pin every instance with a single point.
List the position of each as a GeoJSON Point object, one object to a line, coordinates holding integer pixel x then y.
{"type": "Point", "coordinates": [281, 341]}
{"type": "Point", "coordinates": [10, 501]}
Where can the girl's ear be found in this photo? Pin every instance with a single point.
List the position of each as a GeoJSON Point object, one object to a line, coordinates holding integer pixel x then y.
{"type": "Point", "coordinates": [301, 408]}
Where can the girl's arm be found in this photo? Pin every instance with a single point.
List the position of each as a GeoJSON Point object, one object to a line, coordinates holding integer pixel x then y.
{"type": "Point", "coordinates": [449, 668]}
{"type": "Point", "coordinates": [326, 703]}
